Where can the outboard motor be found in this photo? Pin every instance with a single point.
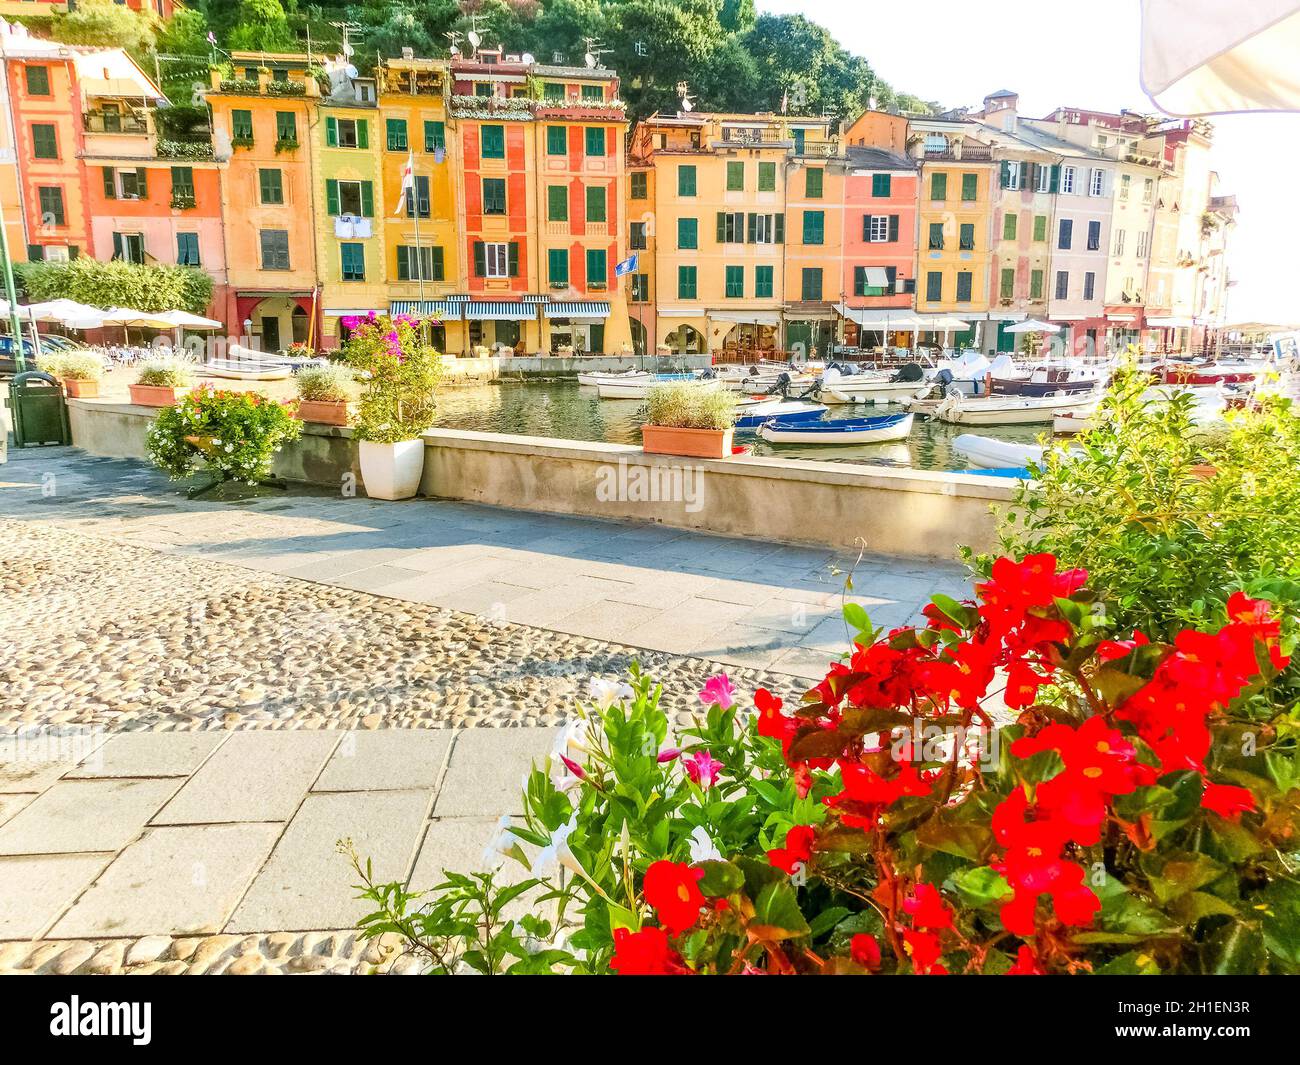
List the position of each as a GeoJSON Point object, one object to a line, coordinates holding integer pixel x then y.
{"type": "Point", "coordinates": [911, 371]}
{"type": "Point", "coordinates": [943, 378]}
{"type": "Point", "coordinates": [781, 386]}
{"type": "Point", "coordinates": [707, 375]}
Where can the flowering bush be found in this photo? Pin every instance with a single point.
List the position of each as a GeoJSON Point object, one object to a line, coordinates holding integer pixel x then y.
{"type": "Point", "coordinates": [1011, 789]}
{"type": "Point", "coordinates": [400, 373]}
{"type": "Point", "coordinates": [236, 434]}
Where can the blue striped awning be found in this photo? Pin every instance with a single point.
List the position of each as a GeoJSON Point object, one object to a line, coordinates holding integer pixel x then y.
{"type": "Point", "coordinates": [499, 311]}
{"type": "Point", "coordinates": [577, 309]}
{"type": "Point", "coordinates": [443, 309]}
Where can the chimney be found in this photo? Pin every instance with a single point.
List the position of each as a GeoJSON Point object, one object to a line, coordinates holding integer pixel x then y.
{"type": "Point", "coordinates": [408, 52]}
{"type": "Point", "coordinates": [1000, 110]}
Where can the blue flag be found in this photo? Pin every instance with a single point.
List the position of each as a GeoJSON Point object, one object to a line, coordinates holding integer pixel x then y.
{"type": "Point", "coordinates": [626, 266]}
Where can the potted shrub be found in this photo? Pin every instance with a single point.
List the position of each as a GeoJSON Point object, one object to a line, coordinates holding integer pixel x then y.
{"type": "Point", "coordinates": [689, 418]}
{"type": "Point", "coordinates": [81, 372]}
{"type": "Point", "coordinates": [160, 382]}
{"type": "Point", "coordinates": [323, 394]}
{"type": "Point", "coordinates": [400, 372]}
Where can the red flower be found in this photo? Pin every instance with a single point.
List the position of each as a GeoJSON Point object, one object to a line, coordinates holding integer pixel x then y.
{"type": "Point", "coordinates": [644, 953]}
{"type": "Point", "coordinates": [1026, 964]}
{"type": "Point", "coordinates": [864, 950]}
{"type": "Point", "coordinates": [797, 850]}
{"type": "Point", "coordinates": [1109, 650]}
{"type": "Point", "coordinates": [927, 908]}
{"type": "Point", "coordinates": [1022, 685]}
{"type": "Point", "coordinates": [965, 677]}
{"type": "Point", "coordinates": [670, 887]}
{"type": "Point", "coordinates": [924, 950]}
{"type": "Point", "coordinates": [1014, 588]}
{"type": "Point", "coordinates": [1227, 801]}
{"type": "Point", "coordinates": [771, 722]}
{"type": "Point", "coordinates": [864, 788]}
{"type": "Point", "coordinates": [1256, 616]}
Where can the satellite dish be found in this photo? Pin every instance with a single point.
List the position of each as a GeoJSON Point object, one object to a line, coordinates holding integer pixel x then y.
{"type": "Point", "coordinates": [686, 104]}
{"type": "Point", "coordinates": [350, 71]}
{"type": "Point", "coordinates": [528, 59]}
{"type": "Point", "coordinates": [589, 59]}
{"type": "Point", "coordinates": [455, 50]}
{"type": "Point", "coordinates": [348, 49]}
{"type": "Point", "coordinates": [473, 39]}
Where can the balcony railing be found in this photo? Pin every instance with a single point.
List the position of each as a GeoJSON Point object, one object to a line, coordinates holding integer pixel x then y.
{"type": "Point", "coordinates": [114, 122]}
{"type": "Point", "coordinates": [184, 150]}
{"type": "Point", "coordinates": [967, 152]}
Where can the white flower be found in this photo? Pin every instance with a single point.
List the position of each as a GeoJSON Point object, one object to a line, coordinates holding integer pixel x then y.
{"type": "Point", "coordinates": [703, 849]}
{"type": "Point", "coordinates": [556, 853]}
{"type": "Point", "coordinates": [570, 743]}
{"type": "Point", "coordinates": [604, 693]}
{"type": "Point", "coordinates": [500, 845]}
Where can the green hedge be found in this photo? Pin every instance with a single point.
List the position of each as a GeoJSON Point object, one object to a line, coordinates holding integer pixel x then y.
{"type": "Point", "coordinates": [117, 284]}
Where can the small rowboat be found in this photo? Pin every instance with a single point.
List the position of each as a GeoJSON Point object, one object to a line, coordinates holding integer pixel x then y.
{"type": "Point", "coordinates": [838, 430]}
{"type": "Point", "coordinates": [986, 453]}
{"type": "Point", "coordinates": [597, 377]}
{"type": "Point", "coordinates": [784, 411]}
{"type": "Point", "coordinates": [639, 387]}
{"type": "Point", "coordinates": [1012, 410]}
{"type": "Point", "coordinates": [1208, 374]}
{"type": "Point", "coordinates": [247, 369]}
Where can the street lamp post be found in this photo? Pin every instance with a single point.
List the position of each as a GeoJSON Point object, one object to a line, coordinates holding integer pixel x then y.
{"type": "Point", "coordinates": [15, 326]}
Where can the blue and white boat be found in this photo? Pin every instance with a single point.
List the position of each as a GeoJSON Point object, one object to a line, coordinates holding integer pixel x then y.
{"type": "Point", "coordinates": [838, 430]}
{"type": "Point", "coordinates": [786, 411]}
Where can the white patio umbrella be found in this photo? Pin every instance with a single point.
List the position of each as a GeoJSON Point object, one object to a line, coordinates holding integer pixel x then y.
{"type": "Point", "coordinates": [186, 320]}
{"type": "Point", "coordinates": [125, 316]}
{"type": "Point", "coordinates": [1033, 325]}
{"type": "Point", "coordinates": [64, 311]}
{"type": "Point", "coordinates": [1206, 57]}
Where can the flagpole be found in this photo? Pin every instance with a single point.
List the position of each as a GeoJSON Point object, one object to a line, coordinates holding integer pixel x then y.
{"type": "Point", "coordinates": [419, 259]}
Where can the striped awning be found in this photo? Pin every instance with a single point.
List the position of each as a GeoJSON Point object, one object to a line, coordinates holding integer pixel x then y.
{"type": "Point", "coordinates": [503, 311]}
{"type": "Point", "coordinates": [443, 309]}
{"type": "Point", "coordinates": [577, 309]}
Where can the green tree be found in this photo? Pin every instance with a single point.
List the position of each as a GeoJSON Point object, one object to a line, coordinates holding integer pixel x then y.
{"type": "Point", "coordinates": [106, 24]}
{"type": "Point", "coordinates": [737, 16]}
{"type": "Point", "coordinates": [117, 284]}
{"type": "Point", "coordinates": [562, 26]}
{"type": "Point", "coordinates": [261, 25]}
{"type": "Point", "coordinates": [730, 80]}
{"type": "Point", "coordinates": [658, 43]}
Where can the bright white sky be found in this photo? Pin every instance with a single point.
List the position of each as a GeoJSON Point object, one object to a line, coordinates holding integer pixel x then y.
{"type": "Point", "coordinates": [1082, 55]}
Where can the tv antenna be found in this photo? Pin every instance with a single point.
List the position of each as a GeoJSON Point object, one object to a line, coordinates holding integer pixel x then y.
{"type": "Point", "coordinates": [687, 103]}
{"type": "Point", "coordinates": [593, 52]}
{"type": "Point", "coordinates": [346, 29]}
{"type": "Point", "coordinates": [453, 41]}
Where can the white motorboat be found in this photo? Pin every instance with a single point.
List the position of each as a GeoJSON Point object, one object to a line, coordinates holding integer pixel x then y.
{"type": "Point", "coordinates": [639, 388]}
{"type": "Point", "coordinates": [986, 453]}
{"type": "Point", "coordinates": [866, 388]}
{"type": "Point", "coordinates": [786, 410]}
{"type": "Point", "coordinates": [838, 430]}
{"type": "Point", "coordinates": [596, 377]}
{"type": "Point", "coordinates": [247, 369]}
{"type": "Point", "coordinates": [957, 409]}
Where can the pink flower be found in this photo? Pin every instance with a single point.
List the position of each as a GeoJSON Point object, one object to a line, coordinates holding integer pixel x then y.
{"type": "Point", "coordinates": [668, 754]}
{"type": "Point", "coordinates": [702, 768]}
{"type": "Point", "coordinates": [574, 768]}
{"type": "Point", "coordinates": [718, 690]}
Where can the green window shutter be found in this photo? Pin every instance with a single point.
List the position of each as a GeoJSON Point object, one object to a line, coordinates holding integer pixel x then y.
{"type": "Point", "coordinates": [778, 221]}
{"type": "Point", "coordinates": [685, 180]}
{"type": "Point", "coordinates": [331, 131]}
{"type": "Point", "coordinates": [367, 199]}
{"type": "Point", "coordinates": [480, 259]}
{"type": "Point", "coordinates": [1006, 173]}
{"type": "Point", "coordinates": [1054, 184]}
{"type": "Point", "coordinates": [859, 281]}
{"type": "Point", "coordinates": [512, 256]}
{"type": "Point", "coordinates": [494, 142]}
{"type": "Point", "coordinates": [735, 282]}
{"type": "Point", "coordinates": [966, 237]}
{"type": "Point", "coordinates": [595, 141]}
{"type": "Point", "coordinates": [110, 183]}
{"type": "Point", "coordinates": [403, 263]}
{"type": "Point", "coordinates": [1009, 226]}
{"type": "Point", "coordinates": [142, 183]}
{"type": "Point", "coordinates": [970, 186]}
{"type": "Point", "coordinates": [763, 282]}
{"type": "Point", "coordinates": [688, 233]}
{"type": "Point", "coordinates": [936, 236]}
{"type": "Point", "coordinates": [557, 203]}
{"type": "Point", "coordinates": [363, 133]}
{"type": "Point", "coordinates": [639, 185]}
{"type": "Point", "coordinates": [813, 183]}
{"type": "Point", "coordinates": [597, 267]}
{"type": "Point", "coordinates": [331, 196]}
{"type": "Point", "coordinates": [766, 177]}
{"type": "Point", "coordinates": [1036, 284]}
{"type": "Point", "coordinates": [881, 185]}
{"type": "Point", "coordinates": [751, 227]}
{"type": "Point", "coordinates": [722, 226]}
{"type": "Point", "coordinates": [1040, 227]}
{"type": "Point", "coordinates": [435, 136]}
{"type": "Point", "coordinates": [735, 176]}
{"type": "Point", "coordinates": [686, 282]}
{"type": "Point", "coordinates": [439, 266]}
{"type": "Point", "coordinates": [938, 186]}
{"type": "Point", "coordinates": [556, 141]}
{"type": "Point", "coordinates": [893, 228]}
{"type": "Point", "coordinates": [117, 245]}
{"type": "Point", "coordinates": [812, 284]}
{"type": "Point", "coordinates": [814, 227]}
{"type": "Point", "coordinates": [596, 208]}
{"type": "Point", "coordinates": [396, 129]}
{"type": "Point", "coordinates": [1008, 283]}
{"type": "Point", "coordinates": [557, 266]}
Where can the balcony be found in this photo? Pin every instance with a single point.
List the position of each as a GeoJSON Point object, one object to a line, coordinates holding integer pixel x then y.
{"type": "Point", "coordinates": [411, 83]}
{"type": "Point", "coordinates": [184, 150]}
{"type": "Point", "coordinates": [286, 88]}
{"type": "Point", "coordinates": [114, 122]}
{"type": "Point", "coordinates": [519, 108]}
{"type": "Point", "coordinates": [967, 151]}
{"type": "Point", "coordinates": [183, 200]}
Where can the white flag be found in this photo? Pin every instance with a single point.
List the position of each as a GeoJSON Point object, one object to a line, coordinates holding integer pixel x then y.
{"type": "Point", "coordinates": [408, 182]}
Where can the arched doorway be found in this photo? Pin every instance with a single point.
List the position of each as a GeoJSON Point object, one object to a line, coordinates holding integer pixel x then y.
{"type": "Point", "coordinates": [640, 339]}
{"type": "Point", "coordinates": [685, 340]}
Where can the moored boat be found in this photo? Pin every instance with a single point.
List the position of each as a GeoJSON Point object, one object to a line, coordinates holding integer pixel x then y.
{"type": "Point", "coordinates": [987, 453]}
{"type": "Point", "coordinates": [247, 369]}
{"type": "Point", "coordinates": [838, 430]}
{"type": "Point", "coordinates": [784, 410]}
{"type": "Point", "coordinates": [1012, 410]}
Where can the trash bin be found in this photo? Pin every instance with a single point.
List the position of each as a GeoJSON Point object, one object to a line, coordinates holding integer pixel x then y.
{"type": "Point", "coordinates": [39, 414]}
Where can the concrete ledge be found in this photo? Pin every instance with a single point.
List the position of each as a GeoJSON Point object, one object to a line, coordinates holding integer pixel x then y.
{"type": "Point", "coordinates": [912, 513]}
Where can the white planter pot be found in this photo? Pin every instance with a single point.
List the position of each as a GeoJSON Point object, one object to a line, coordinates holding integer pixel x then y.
{"type": "Point", "coordinates": [392, 471]}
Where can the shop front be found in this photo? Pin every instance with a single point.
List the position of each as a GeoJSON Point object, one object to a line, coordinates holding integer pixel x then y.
{"type": "Point", "coordinates": [449, 327]}
{"type": "Point", "coordinates": [745, 335]}
{"type": "Point", "coordinates": [576, 327]}
{"type": "Point", "coordinates": [500, 327]}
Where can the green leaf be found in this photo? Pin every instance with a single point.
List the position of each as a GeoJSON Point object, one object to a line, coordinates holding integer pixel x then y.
{"type": "Point", "coordinates": [1131, 964]}
{"type": "Point", "coordinates": [1279, 907]}
{"type": "Point", "coordinates": [720, 879]}
{"type": "Point", "coordinates": [981, 886]}
{"type": "Point", "coordinates": [856, 617]}
{"type": "Point", "coordinates": [1192, 907]}
{"type": "Point", "coordinates": [967, 617]}
{"type": "Point", "coordinates": [964, 839]}
{"type": "Point", "coordinates": [777, 913]}
{"type": "Point", "coordinates": [826, 920]}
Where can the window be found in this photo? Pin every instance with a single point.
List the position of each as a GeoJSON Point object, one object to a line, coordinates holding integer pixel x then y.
{"type": "Point", "coordinates": [800, 136]}
{"type": "Point", "coordinates": [763, 282]}
{"type": "Point", "coordinates": [45, 141]}
{"type": "Point", "coordinates": [133, 184]}
{"type": "Point", "coordinates": [1009, 221]}
{"type": "Point", "coordinates": [1148, 189]}
{"type": "Point", "coordinates": [182, 186]}
{"type": "Point", "coordinates": [811, 288]}
{"type": "Point", "coordinates": [418, 202]}
{"type": "Point", "coordinates": [812, 183]}
{"type": "Point", "coordinates": [880, 185]}
{"type": "Point", "coordinates": [880, 228]}
{"type": "Point", "coordinates": [1094, 236]}
{"type": "Point", "coordinates": [286, 128]}
{"type": "Point", "coordinates": [419, 264]}
{"type": "Point", "coordinates": [349, 198]}
{"type": "Point", "coordinates": [1044, 180]}
{"type": "Point", "coordinates": [936, 236]}
{"type": "Point", "coordinates": [1035, 284]}
{"type": "Point", "coordinates": [1010, 175]}
{"type": "Point", "coordinates": [938, 186]}
{"type": "Point", "coordinates": [51, 198]}
{"type": "Point", "coordinates": [1007, 289]}
{"type": "Point", "coordinates": [435, 136]}
{"type": "Point", "coordinates": [688, 233]}
{"type": "Point", "coordinates": [494, 195]}
{"type": "Point", "coordinates": [686, 180]}
{"type": "Point", "coordinates": [352, 261]}
{"type": "Point", "coordinates": [686, 283]}
{"type": "Point", "coordinates": [396, 130]}
{"type": "Point", "coordinates": [966, 236]}
{"type": "Point", "coordinates": [735, 282]}
{"type": "Point", "coordinates": [1067, 179]}
{"type": "Point", "coordinates": [1040, 227]}
{"type": "Point", "coordinates": [275, 249]}
{"type": "Point", "coordinates": [964, 279]}
{"type": "Point", "coordinates": [814, 227]}
{"type": "Point", "coordinates": [731, 227]}
{"type": "Point", "coordinates": [553, 91]}
{"type": "Point", "coordinates": [38, 80]}
{"type": "Point", "coordinates": [1097, 182]}
{"type": "Point", "coordinates": [934, 286]}
{"type": "Point", "coordinates": [1119, 242]}
{"type": "Point", "coordinates": [862, 288]}
{"type": "Point", "coordinates": [347, 132]}
{"type": "Point", "coordinates": [483, 88]}
{"type": "Point", "coordinates": [595, 203]}
{"type": "Point", "coordinates": [1089, 285]}
{"type": "Point", "coordinates": [640, 189]}
{"type": "Point", "coordinates": [1142, 244]}
{"type": "Point", "coordinates": [640, 288]}
{"type": "Point", "coordinates": [970, 184]}
{"type": "Point", "coordinates": [636, 237]}
{"type": "Point", "coordinates": [241, 126]}
{"type": "Point", "coordinates": [494, 142]}
{"type": "Point", "coordinates": [735, 177]}
{"type": "Point", "coordinates": [270, 186]}
{"type": "Point", "coordinates": [557, 267]}
{"type": "Point", "coordinates": [597, 267]}
{"type": "Point", "coordinates": [1125, 183]}
{"type": "Point", "coordinates": [1065, 235]}
{"type": "Point", "coordinates": [766, 228]}
{"type": "Point", "coordinates": [496, 259]}
{"type": "Point", "coordinates": [593, 92]}
{"type": "Point", "coordinates": [766, 177]}
{"type": "Point", "coordinates": [595, 143]}
{"type": "Point", "coordinates": [129, 247]}
{"type": "Point", "coordinates": [557, 142]}
{"type": "Point", "coordinates": [187, 249]}
{"type": "Point", "coordinates": [1062, 284]}
{"type": "Point", "coordinates": [557, 203]}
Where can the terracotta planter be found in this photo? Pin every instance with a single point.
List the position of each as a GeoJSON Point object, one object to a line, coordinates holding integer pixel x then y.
{"type": "Point", "coordinates": [694, 443]}
{"type": "Point", "coordinates": [323, 411]}
{"type": "Point", "coordinates": [391, 471]}
{"type": "Point", "coordinates": [155, 395]}
{"type": "Point", "coordinates": [81, 389]}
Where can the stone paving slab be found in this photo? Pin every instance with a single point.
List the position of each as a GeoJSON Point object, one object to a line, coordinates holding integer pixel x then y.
{"type": "Point", "coordinates": [307, 884]}
{"type": "Point", "coordinates": [251, 778]}
{"type": "Point", "coordinates": [85, 815]}
{"type": "Point", "coordinates": [34, 889]}
{"type": "Point", "coordinates": [487, 769]}
{"type": "Point", "coordinates": [388, 760]}
{"type": "Point", "coordinates": [150, 754]}
{"type": "Point", "coordinates": [172, 881]}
